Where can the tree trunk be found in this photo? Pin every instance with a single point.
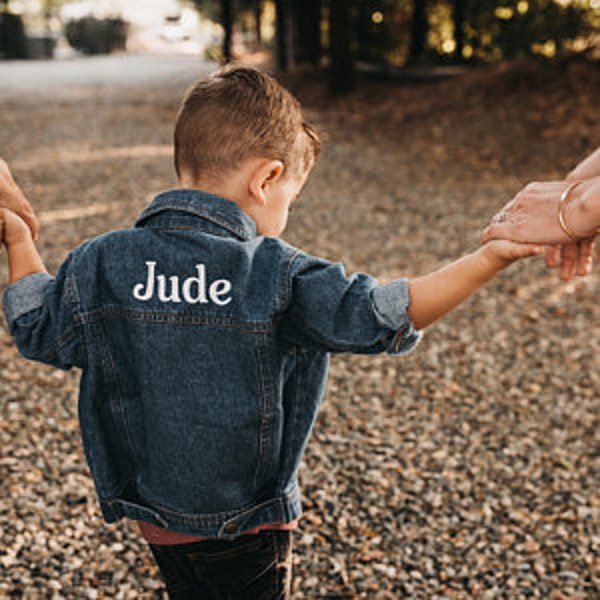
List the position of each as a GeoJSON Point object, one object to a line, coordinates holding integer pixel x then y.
{"type": "Point", "coordinates": [12, 36]}
{"type": "Point", "coordinates": [227, 23]}
{"type": "Point", "coordinates": [342, 74]}
{"type": "Point", "coordinates": [307, 16]}
{"type": "Point", "coordinates": [420, 27]}
{"type": "Point", "coordinates": [284, 33]}
{"type": "Point", "coordinates": [258, 22]}
{"type": "Point", "coordinates": [459, 27]}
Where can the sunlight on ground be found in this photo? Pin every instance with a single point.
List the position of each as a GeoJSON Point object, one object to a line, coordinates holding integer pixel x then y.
{"type": "Point", "coordinates": [87, 156]}
{"type": "Point", "coordinates": [48, 217]}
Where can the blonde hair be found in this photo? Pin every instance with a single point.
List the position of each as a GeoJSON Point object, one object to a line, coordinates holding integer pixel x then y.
{"type": "Point", "coordinates": [238, 113]}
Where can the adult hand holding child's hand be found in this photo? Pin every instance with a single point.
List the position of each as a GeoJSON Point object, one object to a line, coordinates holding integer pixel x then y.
{"type": "Point", "coordinates": [12, 197]}
{"type": "Point", "coordinates": [505, 252]}
{"type": "Point", "coordinates": [563, 214]}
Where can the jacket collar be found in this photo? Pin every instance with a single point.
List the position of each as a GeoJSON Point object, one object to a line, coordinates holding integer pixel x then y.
{"type": "Point", "coordinates": [209, 207]}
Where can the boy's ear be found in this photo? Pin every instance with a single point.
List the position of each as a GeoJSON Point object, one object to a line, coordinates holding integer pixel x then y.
{"type": "Point", "coordinates": [264, 174]}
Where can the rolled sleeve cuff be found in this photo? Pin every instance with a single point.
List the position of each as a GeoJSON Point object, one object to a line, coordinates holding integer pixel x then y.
{"type": "Point", "coordinates": [391, 307]}
{"type": "Point", "coordinates": [25, 295]}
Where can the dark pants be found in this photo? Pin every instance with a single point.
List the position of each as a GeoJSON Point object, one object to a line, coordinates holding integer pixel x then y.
{"type": "Point", "coordinates": [256, 567]}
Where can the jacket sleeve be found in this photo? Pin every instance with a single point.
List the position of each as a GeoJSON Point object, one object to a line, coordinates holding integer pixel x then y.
{"type": "Point", "coordinates": [39, 312]}
{"type": "Point", "coordinates": [330, 311]}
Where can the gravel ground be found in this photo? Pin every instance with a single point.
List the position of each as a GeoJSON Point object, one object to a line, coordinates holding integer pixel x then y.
{"type": "Point", "coordinates": [468, 469]}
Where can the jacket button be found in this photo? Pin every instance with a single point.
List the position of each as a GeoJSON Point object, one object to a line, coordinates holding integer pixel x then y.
{"type": "Point", "coordinates": [230, 528]}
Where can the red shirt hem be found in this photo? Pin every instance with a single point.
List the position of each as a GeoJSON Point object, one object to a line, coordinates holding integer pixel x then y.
{"type": "Point", "coordinates": [159, 536]}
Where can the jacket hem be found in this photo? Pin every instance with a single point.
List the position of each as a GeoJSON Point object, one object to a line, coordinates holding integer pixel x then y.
{"type": "Point", "coordinates": [224, 525]}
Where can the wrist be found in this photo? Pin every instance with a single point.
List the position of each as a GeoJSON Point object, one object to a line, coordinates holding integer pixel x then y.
{"type": "Point", "coordinates": [15, 243]}
{"type": "Point", "coordinates": [491, 259]}
{"type": "Point", "coordinates": [582, 213]}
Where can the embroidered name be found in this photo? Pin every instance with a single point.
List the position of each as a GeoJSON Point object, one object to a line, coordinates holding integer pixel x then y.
{"type": "Point", "coordinates": [193, 290]}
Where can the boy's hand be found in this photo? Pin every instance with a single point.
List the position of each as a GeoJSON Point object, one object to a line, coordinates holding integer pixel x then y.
{"type": "Point", "coordinates": [13, 229]}
{"type": "Point", "coordinates": [503, 252]}
{"type": "Point", "coordinates": [13, 198]}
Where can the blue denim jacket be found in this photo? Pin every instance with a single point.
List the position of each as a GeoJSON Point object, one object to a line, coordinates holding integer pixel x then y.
{"type": "Point", "coordinates": [204, 354]}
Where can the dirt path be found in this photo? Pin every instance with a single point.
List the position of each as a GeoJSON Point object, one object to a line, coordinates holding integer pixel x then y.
{"type": "Point", "coordinates": [466, 470]}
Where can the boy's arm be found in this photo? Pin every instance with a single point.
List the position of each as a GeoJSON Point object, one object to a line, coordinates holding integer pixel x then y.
{"type": "Point", "coordinates": [23, 257]}
{"type": "Point", "coordinates": [37, 306]}
{"type": "Point", "coordinates": [329, 311]}
{"type": "Point", "coordinates": [434, 295]}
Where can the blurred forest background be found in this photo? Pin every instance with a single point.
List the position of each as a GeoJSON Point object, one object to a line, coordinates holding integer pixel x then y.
{"type": "Point", "coordinates": [371, 35]}
{"type": "Point", "coordinates": [347, 36]}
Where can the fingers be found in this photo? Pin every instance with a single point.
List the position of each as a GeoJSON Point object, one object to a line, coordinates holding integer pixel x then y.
{"type": "Point", "coordinates": [27, 214]}
{"type": "Point", "coordinates": [568, 258]}
{"type": "Point", "coordinates": [4, 168]}
{"type": "Point", "coordinates": [584, 263]}
{"type": "Point", "coordinates": [553, 256]}
{"type": "Point", "coordinates": [571, 259]}
{"type": "Point", "coordinates": [487, 234]}
{"type": "Point", "coordinates": [502, 231]}
{"type": "Point", "coordinates": [12, 197]}
{"type": "Point", "coordinates": [15, 200]}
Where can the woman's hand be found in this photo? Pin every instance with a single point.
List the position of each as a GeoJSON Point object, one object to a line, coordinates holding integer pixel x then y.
{"type": "Point", "coordinates": [13, 229]}
{"type": "Point", "coordinates": [572, 258]}
{"type": "Point", "coordinates": [532, 216]}
{"type": "Point", "coordinates": [589, 167]}
{"type": "Point", "coordinates": [12, 197]}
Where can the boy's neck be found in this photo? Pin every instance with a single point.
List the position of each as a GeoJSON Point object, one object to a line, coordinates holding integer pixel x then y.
{"type": "Point", "coordinates": [233, 188]}
{"type": "Point", "coordinates": [215, 187]}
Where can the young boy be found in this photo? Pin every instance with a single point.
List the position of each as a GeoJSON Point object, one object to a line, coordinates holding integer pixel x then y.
{"type": "Point", "coordinates": [203, 339]}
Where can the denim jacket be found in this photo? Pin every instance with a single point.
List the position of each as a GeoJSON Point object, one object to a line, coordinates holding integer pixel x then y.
{"type": "Point", "coordinates": [204, 354]}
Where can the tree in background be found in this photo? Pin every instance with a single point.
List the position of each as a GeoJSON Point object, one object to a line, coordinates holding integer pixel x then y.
{"type": "Point", "coordinates": [309, 18]}
{"type": "Point", "coordinates": [298, 32]}
{"type": "Point", "coordinates": [405, 32]}
{"type": "Point", "coordinates": [458, 19]}
{"type": "Point", "coordinates": [12, 33]}
{"type": "Point", "coordinates": [222, 12]}
{"type": "Point", "coordinates": [515, 28]}
{"type": "Point", "coordinates": [420, 27]}
{"type": "Point", "coordinates": [227, 20]}
{"type": "Point", "coordinates": [342, 73]}
{"type": "Point", "coordinates": [284, 34]}
{"type": "Point", "coordinates": [257, 13]}
{"type": "Point", "coordinates": [401, 32]}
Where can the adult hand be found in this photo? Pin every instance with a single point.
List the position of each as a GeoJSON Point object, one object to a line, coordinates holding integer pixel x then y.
{"type": "Point", "coordinates": [571, 258]}
{"type": "Point", "coordinates": [12, 197]}
{"type": "Point", "coordinates": [589, 167]}
{"type": "Point", "coordinates": [567, 256]}
{"type": "Point", "coordinates": [532, 216]}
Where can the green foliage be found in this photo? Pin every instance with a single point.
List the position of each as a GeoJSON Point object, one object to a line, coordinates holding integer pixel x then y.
{"type": "Point", "coordinates": [12, 36]}
{"type": "Point", "coordinates": [210, 9]}
{"type": "Point", "coordinates": [96, 36]}
{"type": "Point", "coordinates": [51, 7]}
{"type": "Point", "coordinates": [514, 28]}
{"type": "Point", "coordinates": [214, 53]}
{"type": "Point", "coordinates": [493, 29]}
{"type": "Point", "coordinates": [383, 30]}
